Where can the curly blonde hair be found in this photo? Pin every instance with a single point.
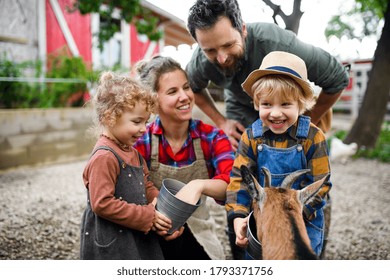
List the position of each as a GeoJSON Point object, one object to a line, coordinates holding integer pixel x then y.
{"type": "Point", "coordinates": [117, 93]}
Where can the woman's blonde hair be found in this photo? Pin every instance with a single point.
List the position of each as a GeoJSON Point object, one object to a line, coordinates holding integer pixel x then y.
{"type": "Point", "coordinates": [117, 93]}
{"type": "Point", "coordinates": [268, 85]}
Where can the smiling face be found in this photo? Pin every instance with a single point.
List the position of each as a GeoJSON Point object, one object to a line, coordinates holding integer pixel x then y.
{"type": "Point", "coordinates": [223, 45]}
{"type": "Point", "coordinates": [130, 125]}
{"type": "Point", "coordinates": [279, 100]}
{"type": "Point", "coordinates": [278, 113]}
{"type": "Point", "coordinates": [175, 97]}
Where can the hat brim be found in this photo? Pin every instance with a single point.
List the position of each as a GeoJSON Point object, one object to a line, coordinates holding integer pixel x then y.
{"type": "Point", "coordinates": [257, 74]}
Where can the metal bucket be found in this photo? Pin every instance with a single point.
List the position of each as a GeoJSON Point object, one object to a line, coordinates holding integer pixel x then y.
{"type": "Point", "coordinates": [254, 246]}
{"type": "Point", "coordinates": [172, 207]}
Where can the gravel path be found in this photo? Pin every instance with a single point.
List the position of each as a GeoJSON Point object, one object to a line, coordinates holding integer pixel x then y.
{"type": "Point", "coordinates": [41, 209]}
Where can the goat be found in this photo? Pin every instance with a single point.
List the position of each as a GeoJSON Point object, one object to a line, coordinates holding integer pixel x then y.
{"type": "Point", "coordinates": [278, 215]}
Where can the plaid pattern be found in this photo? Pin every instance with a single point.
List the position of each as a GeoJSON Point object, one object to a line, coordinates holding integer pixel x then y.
{"type": "Point", "coordinates": [238, 200]}
{"type": "Point", "coordinates": [215, 144]}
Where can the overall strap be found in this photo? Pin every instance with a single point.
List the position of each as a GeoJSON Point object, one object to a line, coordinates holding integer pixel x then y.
{"type": "Point", "coordinates": [257, 129]}
{"type": "Point", "coordinates": [121, 162]}
{"type": "Point", "coordinates": [303, 127]}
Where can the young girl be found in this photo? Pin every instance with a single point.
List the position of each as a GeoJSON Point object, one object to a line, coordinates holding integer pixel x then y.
{"type": "Point", "coordinates": [178, 146]}
{"type": "Point", "coordinates": [120, 210]}
{"type": "Point", "coordinates": [282, 140]}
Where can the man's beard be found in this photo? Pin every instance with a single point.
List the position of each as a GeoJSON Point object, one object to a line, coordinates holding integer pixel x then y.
{"type": "Point", "coordinates": [233, 69]}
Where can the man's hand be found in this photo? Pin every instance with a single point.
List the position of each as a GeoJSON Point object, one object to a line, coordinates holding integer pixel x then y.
{"type": "Point", "coordinates": [233, 129]}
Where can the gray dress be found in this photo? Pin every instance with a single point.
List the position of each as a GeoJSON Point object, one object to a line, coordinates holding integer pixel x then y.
{"type": "Point", "coordinates": [105, 240]}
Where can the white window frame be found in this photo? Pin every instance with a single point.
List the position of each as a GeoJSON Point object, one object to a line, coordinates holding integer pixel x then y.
{"type": "Point", "coordinates": [123, 37]}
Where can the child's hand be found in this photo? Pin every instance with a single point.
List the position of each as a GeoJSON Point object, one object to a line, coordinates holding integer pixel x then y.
{"type": "Point", "coordinates": [191, 192]}
{"type": "Point", "coordinates": [174, 235]}
{"type": "Point", "coordinates": [240, 228]}
{"type": "Point", "coordinates": [161, 224]}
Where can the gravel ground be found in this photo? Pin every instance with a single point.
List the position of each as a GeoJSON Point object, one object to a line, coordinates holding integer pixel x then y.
{"type": "Point", "coordinates": [41, 210]}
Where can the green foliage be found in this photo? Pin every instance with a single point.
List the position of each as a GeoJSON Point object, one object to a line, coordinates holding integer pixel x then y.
{"type": "Point", "coordinates": [377, 6]}
{"type": "Point", "coordinates": [58, 94]}
{"type": "Point", "coordinates": [12, 93]}
{"type": "Point", "coordinates": [130, 11]}
{"type": "Point", "coordinates": [336, 27]}
{"type": "Point", "coordinates": [382, 147]}
{"type": "Point", "coordinates": [381, 151]}
{"type": "Point", "coordinates": [15, 94]}
{"type": "Point", "coordinates": [361, 21]}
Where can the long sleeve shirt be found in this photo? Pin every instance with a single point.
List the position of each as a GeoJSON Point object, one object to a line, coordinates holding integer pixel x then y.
{"type": "Point", "coordinates": [216, 148]}
{"type": "Point", "coordinates": [100, 175]}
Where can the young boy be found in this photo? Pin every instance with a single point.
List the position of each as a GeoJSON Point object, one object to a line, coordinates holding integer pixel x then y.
{"type": "Point", "coordinates": [282, 140]}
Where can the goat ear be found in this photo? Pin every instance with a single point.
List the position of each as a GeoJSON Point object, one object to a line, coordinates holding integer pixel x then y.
{"type": "Point", "coordinates": [311, 190]}
{"type": "Point", "coordinates": [254, 187]}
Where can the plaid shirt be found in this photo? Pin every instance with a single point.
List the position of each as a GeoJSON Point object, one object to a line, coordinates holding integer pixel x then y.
{"type": "Point", "coordinates": [238, 200]}
{"type": "Point", "coordinates": [216, 147]}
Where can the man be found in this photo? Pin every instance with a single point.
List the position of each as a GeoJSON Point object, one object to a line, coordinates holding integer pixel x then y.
{"type": "Point", "coordinates": [229, 50]}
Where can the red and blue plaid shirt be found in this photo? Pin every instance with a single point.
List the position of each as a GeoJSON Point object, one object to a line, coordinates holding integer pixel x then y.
{"type": "Point", "coordinates": [216, 147]}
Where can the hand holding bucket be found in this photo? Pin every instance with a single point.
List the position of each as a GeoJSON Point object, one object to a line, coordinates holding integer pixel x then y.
{"type": "Point", "coordinates": [173, 207]}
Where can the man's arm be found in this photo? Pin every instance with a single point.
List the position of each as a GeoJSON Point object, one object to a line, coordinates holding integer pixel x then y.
{"type": "Point", "coordinates": [324, 102]}
{"type": "Point", "coordinates": [320, 114]}
{"type": "Point", "coordinates": [233, 129]}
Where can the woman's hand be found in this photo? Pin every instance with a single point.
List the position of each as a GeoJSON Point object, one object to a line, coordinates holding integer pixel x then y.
{"type": "Point", "coordinates": [191, 192]}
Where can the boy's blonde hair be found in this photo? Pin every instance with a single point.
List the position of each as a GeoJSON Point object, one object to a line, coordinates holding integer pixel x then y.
{"type": "Point", "coordinates": [117, 93]}
{"type": "Point", "coordinates": [268, 86]}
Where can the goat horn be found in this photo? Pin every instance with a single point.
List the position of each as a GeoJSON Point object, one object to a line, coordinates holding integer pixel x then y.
{"type": "Point", "coordinates": [267, 177]}
{"type": "Point", "coordinates": [290, 179]}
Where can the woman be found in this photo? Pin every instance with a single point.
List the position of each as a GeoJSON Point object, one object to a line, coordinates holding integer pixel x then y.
{"type": "Point", "coordinates": [177, 146]}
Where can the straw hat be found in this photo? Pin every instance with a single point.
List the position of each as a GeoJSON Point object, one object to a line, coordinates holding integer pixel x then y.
{"type": "Point", "coordinates": [280, 63]}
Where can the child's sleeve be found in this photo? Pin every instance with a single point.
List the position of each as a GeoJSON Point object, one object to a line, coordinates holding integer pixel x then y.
{"type": "Point", "coordinates": [318, 162]}
{"type": "Point", "coordinates": [150, 189]}
{"type": "Point", "coordinates": [238, 199]}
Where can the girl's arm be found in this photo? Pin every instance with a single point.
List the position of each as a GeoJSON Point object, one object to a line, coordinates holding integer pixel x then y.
{"type": "Point", "coordinates": [102, 172]}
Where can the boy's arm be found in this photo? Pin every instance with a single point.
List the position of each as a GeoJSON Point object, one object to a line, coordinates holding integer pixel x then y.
{"type": "Point", "coordinates": [238, 199]}
{"type": "Point", "coordinates": [318, 159]}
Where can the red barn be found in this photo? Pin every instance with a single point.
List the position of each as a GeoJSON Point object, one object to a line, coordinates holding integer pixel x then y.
{"type": "Point", "coordinates": [75, 31]}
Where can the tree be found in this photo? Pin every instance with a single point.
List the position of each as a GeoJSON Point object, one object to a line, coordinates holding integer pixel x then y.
{"type": "Point", "coordinates": [130, 11]}
{"type": "Point", "coordinates": [367, 126]}
{"type": "Point", "coordinates": [291, 21]}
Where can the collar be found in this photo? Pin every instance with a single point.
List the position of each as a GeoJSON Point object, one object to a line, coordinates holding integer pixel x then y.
{"type": "Point", "coordinates": [158, 129]}
{"type": "Point", "coordinates": [291, 131]}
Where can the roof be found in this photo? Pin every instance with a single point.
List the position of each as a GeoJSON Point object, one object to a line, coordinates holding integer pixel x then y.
{"type": "Point", "coordinates": [175, 30]}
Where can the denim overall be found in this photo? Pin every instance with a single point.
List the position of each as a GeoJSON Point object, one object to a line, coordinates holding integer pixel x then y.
{"type": "Point", "coordinates": [282, 162]}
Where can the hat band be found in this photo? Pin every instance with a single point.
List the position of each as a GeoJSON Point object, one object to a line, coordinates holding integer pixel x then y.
{"type": "Point", "coordinates": [284, 69]}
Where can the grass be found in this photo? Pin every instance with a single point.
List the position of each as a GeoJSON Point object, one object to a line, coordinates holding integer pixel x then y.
{"type": "Point", "coordinates": [381, 151]}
